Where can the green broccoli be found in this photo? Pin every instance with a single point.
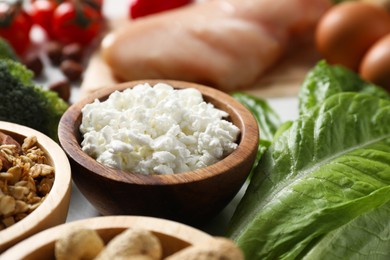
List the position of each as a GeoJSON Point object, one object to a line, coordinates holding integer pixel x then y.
{"type": "Point", "coordinates": [22, 102]}
{"type": "Point", "coordinates": [6, 50]}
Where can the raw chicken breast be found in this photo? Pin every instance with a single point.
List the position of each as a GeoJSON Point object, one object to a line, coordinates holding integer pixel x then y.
{"type": "Point", "coordinates": [227, 44]}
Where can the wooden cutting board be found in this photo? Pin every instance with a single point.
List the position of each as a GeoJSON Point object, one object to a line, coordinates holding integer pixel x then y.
{"type": "Point", "coordinates": [283, 80]}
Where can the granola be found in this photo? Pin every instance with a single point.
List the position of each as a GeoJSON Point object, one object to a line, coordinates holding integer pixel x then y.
{"type": "Point", "coordinates": [26, 177]}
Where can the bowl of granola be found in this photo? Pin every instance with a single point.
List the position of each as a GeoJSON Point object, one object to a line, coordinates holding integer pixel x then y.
{"type": "Point", "coordinates": [35, 183]}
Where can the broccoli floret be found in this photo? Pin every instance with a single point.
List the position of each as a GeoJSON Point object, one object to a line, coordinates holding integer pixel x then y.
{"type": "Point", "coordinates": [22, 102]}
{"type": "Point", "coordinates": [6, 50]}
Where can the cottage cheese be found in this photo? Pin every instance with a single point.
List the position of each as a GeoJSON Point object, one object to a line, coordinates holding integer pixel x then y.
{"type": "Point", "coordinates": [156, 130]}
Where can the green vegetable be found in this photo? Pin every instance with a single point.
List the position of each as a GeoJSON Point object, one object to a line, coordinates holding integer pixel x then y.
{"type": "Point", "coordinates": [324, 81]}
{"type": "Point", "coordinates": [6, 51]}
{"type": "Point", "coordinates": [367, 235]}
{"type": "Point", "coordinates": [267, 120]}
{"type": "Point", "coordinates": [24, 103]}
{"type": "Point", "coordinates": [328, 168]}
{"type": "Point", "coordinates": [322, 189]}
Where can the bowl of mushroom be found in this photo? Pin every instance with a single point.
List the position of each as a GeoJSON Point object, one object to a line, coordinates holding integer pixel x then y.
{"type": "Point", "coordinates": [161, 148]}
{"type": "Point", "coordinates": [124, 237]}
{"type": "Point", "coordinates": [35, 183]}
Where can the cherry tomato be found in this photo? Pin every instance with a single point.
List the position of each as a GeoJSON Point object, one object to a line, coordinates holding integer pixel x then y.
{"type": "Point", "coordinates": [140, 8]}
{"type": "Point", "coordinates": [76, 23]}
{"type": "Point", "coordinates": [95, 4]}
{"type": "Point", "coordinates": [15, 26]}
{"type": "Point", "coordinates": [42, 14]}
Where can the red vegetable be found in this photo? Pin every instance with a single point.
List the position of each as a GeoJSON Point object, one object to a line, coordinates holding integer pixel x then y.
{"type": "Point", "coordinates": [42, 14]}
{"type": "Point", "coordinates": [74, 22]}
{"type": "Point", "coordinates": [95, 4]}
{"type": "Point", "coordinates": [15, 26]}
{"type": "Point", "coordinates": [140, 8]}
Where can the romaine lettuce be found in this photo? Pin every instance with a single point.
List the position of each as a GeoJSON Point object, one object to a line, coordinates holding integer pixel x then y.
{"type": "Point", "coordinates": [366, 237]}
{"type": "Point", "coordinates": [329, 167]}
{"type": "Point", "coordinates": [325, 80]}
{"type": "Point", "coordinates": [267, 120]}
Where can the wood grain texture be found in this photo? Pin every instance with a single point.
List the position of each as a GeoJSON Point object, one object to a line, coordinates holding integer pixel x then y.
{"type": "Point", "coordinates": [190, 197]}
{"type": "Point", "coordinates": [173, 236]}
{"type": "Point", "coordinates": [54, 208]}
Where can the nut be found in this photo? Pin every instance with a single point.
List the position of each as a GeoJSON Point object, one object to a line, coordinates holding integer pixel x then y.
{"type": "Point", "coordinates": [7, 205]}
{"type": "Point", "coordinates": [71, 69]}
{"type": "Point", "coordinates": [220, 248]}
{"type": "Point", "coordinates": [72, 51]}
{"type": "Point", "coordinates": [54, 52]}
{"type": "Point", "coordinates": [78, 243]}
{"type": "Point", "coordinates": [34, 63]}
{"type": "Point", "coordinates": [130, 243]}
{"type": "Point", "coordinates": [138, 244]}
{"type": "Point", "coordinates": [63, 89]}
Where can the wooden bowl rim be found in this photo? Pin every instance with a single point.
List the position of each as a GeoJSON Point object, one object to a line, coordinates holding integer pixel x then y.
{"type": "Point", "coordinates": [248, 143]}
{"type": "Point", "coordinates": [171, 228]}
{"type": "Point", "coordinates": [60, 189]}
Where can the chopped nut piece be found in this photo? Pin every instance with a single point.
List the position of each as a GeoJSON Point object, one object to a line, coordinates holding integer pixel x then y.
{"type": "Point", "coordinates": [41, 170]}
{"type": "Point", "coordinates": [28, 143]}
{"type": "Point", "coordinates": [7, 205]}
{"type": "Point", "coordinates": [16, 172]}
{"type": "Point", "coordinates": [45, 186]}
{"type": "Point", "coordinates": [8, 221]}
{"type": "Point", "coordinates": [21, 207]}
{"type": "Point", "coordinates": [18, 192]}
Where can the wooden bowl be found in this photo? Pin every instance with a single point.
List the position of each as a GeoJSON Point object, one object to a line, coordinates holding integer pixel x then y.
{"type": "Point", "coordinates": [173, 236]}
{"type": "Point", "coordinates": [54, 208]}
{"type": "Point", "coordinates": [191, 197]}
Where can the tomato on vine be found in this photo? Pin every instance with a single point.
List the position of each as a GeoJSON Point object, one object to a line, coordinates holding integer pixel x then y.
{"type": "Point", "coordinates": [95, 4]}
{"type": "Point", "coordinates": [41, 12]}
{"type": "Point", "coordinates": [75, 22]}
{"type": "Point", "coordinates": [15, 26]}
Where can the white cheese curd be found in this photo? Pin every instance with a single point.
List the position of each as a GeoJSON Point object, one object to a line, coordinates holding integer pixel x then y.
{"type": "Point", "coordinates": [156, 130]}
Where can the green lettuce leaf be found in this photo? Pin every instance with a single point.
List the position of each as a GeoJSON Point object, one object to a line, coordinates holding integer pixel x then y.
{"type": "Point", "coordinates": [267, 120]}
{"type": "Point", "coordinates": [325, 80]}
{"type": "Point", "coordinates": [366, 237]}
{"type": "Point", "coordinates": [329, 167]}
